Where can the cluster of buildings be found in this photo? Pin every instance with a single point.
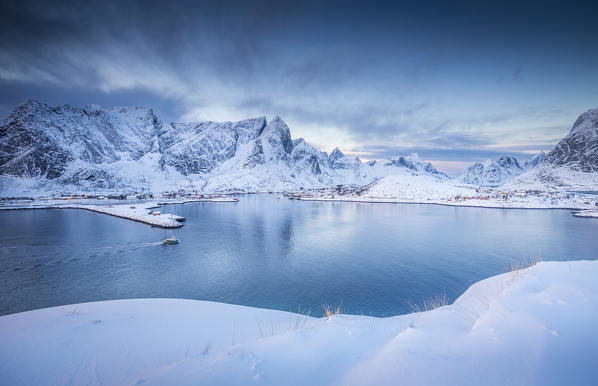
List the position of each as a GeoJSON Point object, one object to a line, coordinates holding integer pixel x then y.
{"type": "Point", "coordinates": [550, 198]}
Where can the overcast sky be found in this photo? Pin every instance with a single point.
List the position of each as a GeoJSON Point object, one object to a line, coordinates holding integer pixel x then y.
{"type": "Point", "coordinates": [456, 82]}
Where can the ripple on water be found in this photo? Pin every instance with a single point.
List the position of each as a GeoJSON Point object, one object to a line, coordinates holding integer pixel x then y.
{"type": "Point", "coordinates": [373, 259]}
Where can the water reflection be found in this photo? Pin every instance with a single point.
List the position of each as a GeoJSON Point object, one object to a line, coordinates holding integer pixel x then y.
{"type": "Point", "coordinates": [372, 259]}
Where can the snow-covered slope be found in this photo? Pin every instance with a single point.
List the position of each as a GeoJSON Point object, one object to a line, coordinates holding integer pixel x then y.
{"type": "Point", "coordinates": [534, 161]}
{"type": "Point", "coordinates": [535, 327]}
{"type": "Point", "coordinates": [66, 148]}
{"type": "Point", "coordinates": [572, 165]}
{"type": "Point", "coordinates": [492, 173]}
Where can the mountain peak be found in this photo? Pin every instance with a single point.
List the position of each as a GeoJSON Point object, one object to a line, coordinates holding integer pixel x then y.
{"type": "Point", "coordinates": [278, 133]}
{"type": "Point", "coordinates": [578, 150]}
{"type": "Point", "coordinates": [508, 162]}
{"type": "Point", "coordinates": [587, 120]}
{"type": "Point", "coordinates": [336, 154]}
{"type": "Point", "coordinates": [414, 157]}
{"type": "Point", "coordinates": [31, 102]}
{"type": "Point", "coordinates": [492, 173]}
{"type": "Point", "coordinates": [27, 107]}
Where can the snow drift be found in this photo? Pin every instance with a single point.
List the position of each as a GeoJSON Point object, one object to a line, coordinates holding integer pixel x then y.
{"type": "Point", "coordinates": [534, 327]}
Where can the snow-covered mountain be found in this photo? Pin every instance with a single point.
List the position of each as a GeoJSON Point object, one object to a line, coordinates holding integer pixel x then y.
{"type": "Point", "coordinates": [579, 149]}
{"type": "Point", "coordinates": [351, 170]}
{"type": "Point", "coordinates": [534, 161]}
{"type": "Point", "coordinates": [271, 161]}
{"type": "Point", "coordinates": [66, 148]}
{"type": "Point", "coordinates": [572, 165]}
{"type": "Point", "coordinates": [339, 161]}
{"type": "Point", "coordinates": [492, 173]}
{"type": "Point", "coordinates": [495, 173]}
{"type": "Point", "coordinates": [86, 146]}
{"type": "Point", "coordinates": [88, 149]}
{"type": "Point", "coordinates": [199, 147]}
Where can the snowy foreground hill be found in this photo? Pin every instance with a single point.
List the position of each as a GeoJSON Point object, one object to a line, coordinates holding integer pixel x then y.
{"type": "Point", "coordinates": [91, 149]}
{"type": "Point", "coordinates": [531, 327]}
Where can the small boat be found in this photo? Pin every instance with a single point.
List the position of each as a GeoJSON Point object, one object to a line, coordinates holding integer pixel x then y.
{"type": "Point", "coordinates": [170, 241]}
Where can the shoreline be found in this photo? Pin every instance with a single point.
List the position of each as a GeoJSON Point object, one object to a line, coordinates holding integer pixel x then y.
{"type": "Point", "coordinates": [434, 202]}
{"type": "Point", "coordinates": [580, 211]}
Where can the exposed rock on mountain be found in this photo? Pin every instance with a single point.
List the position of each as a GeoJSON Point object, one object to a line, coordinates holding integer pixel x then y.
{"type": "Point", "coordinates": [194, 148]}
{"type": "Point", "coordinates": [308, 156]}
{"type": "Point", "coordinates": [68, 144]}
{"type": "Point", "coordinates": [578, 151]}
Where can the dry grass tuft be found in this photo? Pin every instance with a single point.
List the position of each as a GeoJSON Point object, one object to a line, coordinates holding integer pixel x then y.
{"type": "Point", "coordinates": [430, 304]}
{"type": "Point", "coordinates": [517, 267]}
{"type": "Point", "coordinates": [330, 310]}
{"type": "Point", "coordinates": [302, 318]}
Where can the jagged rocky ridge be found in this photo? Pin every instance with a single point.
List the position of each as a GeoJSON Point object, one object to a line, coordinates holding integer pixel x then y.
{"type": "Point", "coordinates": [90, 149]}
{"type": "Point", "coordinates": [579, 149]}
{"type": "Point", "coordinates": [572, 165]}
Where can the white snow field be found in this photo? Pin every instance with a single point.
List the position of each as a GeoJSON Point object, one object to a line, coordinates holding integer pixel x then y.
{"type": "Point", "coordinates": [535, 326]}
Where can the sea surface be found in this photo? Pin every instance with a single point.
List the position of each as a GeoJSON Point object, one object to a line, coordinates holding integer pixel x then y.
{"type": "Point", "coordinates": [370, 259]}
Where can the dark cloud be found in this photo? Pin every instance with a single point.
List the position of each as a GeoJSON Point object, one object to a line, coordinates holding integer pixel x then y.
{"type": "Point", "coordinates": [416, 75]}
{"type": "Point", "coordinates": [517, 74]}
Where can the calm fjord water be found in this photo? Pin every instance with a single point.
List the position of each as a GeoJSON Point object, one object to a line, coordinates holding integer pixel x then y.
{"type": "Point", "coordinates": [371, 259]}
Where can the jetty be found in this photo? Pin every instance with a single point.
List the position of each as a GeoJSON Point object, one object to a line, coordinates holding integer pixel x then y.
{"type": "Point", "coordinates": [138, 213]}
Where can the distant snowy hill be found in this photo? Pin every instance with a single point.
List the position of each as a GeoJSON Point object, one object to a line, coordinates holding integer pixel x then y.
{"type": "Point", "coordinates": [353, 171]}
{"type": "Point", "coordinates": [495, 173]}
{"type": "Point", "coordinates": [66, 148]}
{"type": "Point", "coordinates": [572, 165]}
{"type": "Point", "coordinates": [417, 188]}
{"type": "Point", "coordinates": [412, 180]}
{"type": "Point", "coordinates": [534, 161]}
